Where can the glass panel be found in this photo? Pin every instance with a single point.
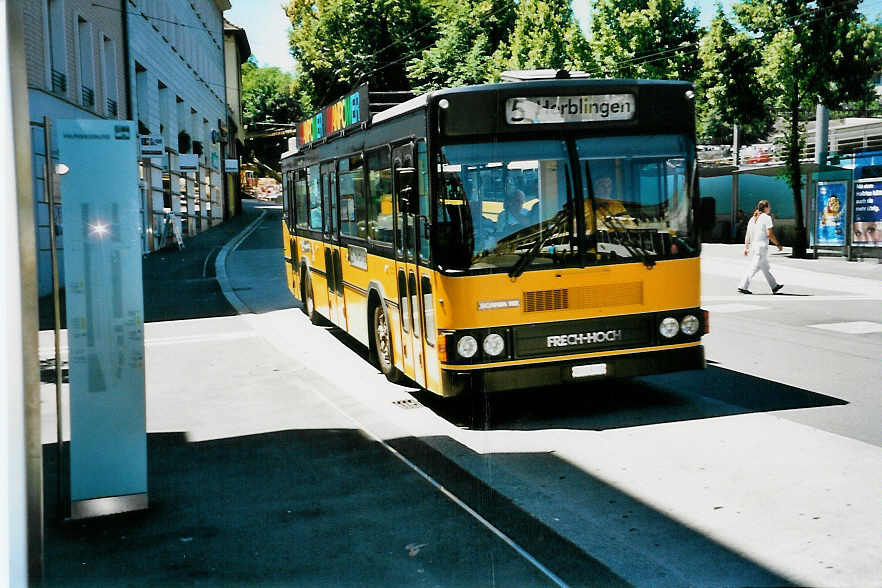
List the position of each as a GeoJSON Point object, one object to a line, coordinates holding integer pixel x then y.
{"type": "Point", "coordinates": [641, 202]}
{"type": "Point", "coordinates": [380, 216]}
{"type": "Point", "coordinates": [332, 209]}
{"type": "Point", "coordinates": [315, 199]}
{"type": "Point", "coordinates": [403, 301]}
{"type": "Point", "coordinates": [302, 203]}
{"type": "Point", "coordinates": [508, 200]}
{"type": "Point", "coordinates": [353, 215]}
{"type": "Point", "coordinates": [423, 192]}
{"type": "Point", "coordinates": [429, 310]}
{"type": "Point", "coordinates": [414, 305]}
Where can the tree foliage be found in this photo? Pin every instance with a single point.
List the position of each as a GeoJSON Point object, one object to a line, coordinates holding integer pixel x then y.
{"type": "Point", "coordinates": [545, 36]}
{"type": "Point", "coordinates": [339, 44]}
{"type": "Point", "coordinates": [817, 52]}
{"type": "Point", "coordinates": [654, 39]}
{"type": "Point", "coordinates": [269, 95]}
{"type": "Point", "coordinates": [469, 32]}
{"type": "Point", "coordinates": [727, 87]}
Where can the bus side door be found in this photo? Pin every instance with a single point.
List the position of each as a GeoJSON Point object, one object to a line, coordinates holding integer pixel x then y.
{"type": "Point", "coordinates": [409, 299]}
{"type": "Point", "coordinates": [333, 267]}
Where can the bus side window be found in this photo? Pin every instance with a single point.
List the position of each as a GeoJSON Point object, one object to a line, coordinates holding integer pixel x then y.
{"type": "Point", "coordinates": [423, 229]}
{"type": "Point", "coordinates": [300, 199]}
{"type": "Point", "coordinates": [403, 301]}
{"type": "Point", "coordinates": [380, 215]}
{"type": "Point", "coordinates": [353, 215]}
{"type": "Point", "coordinates": [315, 199]}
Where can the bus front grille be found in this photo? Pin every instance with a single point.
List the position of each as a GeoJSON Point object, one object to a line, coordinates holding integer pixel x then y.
{"type": "Point", "coordinates": [600, 295]}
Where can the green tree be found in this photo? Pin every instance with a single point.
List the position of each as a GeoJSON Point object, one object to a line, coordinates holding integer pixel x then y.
{"type": "Point", "coordinates": [339, 44]}
{"type": "Point", "coordinates": [545, 36]}
{"type": "Point", "coordinates": [469, 31]}
{"type": "Point", "coordinates": [816, 52]}
{"type": "Point", "coordinates": [727, 89]}
{"type": "Point", "coordinates": [269, 95]}
{"type": "Point", "coordinates": [654, 39]}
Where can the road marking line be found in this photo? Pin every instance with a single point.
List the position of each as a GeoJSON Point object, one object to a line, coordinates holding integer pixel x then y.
{"type": "Point", "coordinates": [789, 298]}
{"type": "Point", "coordinates": [851, 328]}
{"type": "Point", "coordinates": [724, 308]}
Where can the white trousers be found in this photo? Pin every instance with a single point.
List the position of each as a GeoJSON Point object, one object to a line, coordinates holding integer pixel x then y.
{"type": "Point", "coordinates": [759, 261]}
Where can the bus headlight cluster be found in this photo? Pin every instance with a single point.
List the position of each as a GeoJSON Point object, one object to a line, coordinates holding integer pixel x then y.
{"type": "Point", "coordinates": [494, 344]}
{"type": "Point", "coordinates": [689, 325]}
{"type": "Point", "coordinates": [669, 327]}
{"type": "Point", "coordinates": [467, 346]}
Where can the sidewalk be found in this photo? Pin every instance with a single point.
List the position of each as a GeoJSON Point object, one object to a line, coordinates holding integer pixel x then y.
{"type": "Point", "coordinates": [254, 479]}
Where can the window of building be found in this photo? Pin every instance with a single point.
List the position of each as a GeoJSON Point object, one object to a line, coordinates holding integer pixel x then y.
{"type": "Point", "coordinates": [353, 213]}
{"type": "Point", "coordinates": [380, 215]}
{"type": "Point", "coordinates": [87, 68]}
{"type": "Point", "coordinates": [57, 46]}
{"type": "Point", "coordinates": [164, 117]}
{"type": "Point", "coordinates": [142, 99]}
{"type": "Point", "coordinates": [111, 107]}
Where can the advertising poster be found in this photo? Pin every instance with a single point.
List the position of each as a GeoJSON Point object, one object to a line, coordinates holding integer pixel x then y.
{"type": "Point", "coordinates": [105, 316]}
{"type": "Point", "coordinates": [831, 207]}
{"type": "Point", "coordinates": [867, 224]}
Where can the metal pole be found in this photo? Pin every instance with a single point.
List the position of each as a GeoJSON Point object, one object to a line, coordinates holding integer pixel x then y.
{"type": "Point", "coordinates": [56, 309]}
{"type": "Point", "coordinates": [22, 459]}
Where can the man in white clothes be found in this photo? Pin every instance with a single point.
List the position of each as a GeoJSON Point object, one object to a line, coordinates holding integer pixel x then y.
{"type": "Point", "coordinates": [756, 243]}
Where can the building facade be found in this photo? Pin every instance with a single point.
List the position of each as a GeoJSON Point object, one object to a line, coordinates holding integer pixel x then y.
{"type": "Point", "coordinates": [236, 52]}
{"type": "Point", "coordinates": [160, 63]}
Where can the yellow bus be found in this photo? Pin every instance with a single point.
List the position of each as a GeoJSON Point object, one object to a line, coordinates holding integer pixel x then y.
{"type": "Point", "coordinates": [505, 236]}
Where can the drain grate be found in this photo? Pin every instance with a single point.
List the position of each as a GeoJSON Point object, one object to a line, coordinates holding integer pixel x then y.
{"type": "Point", "coordinates": [407, 403]}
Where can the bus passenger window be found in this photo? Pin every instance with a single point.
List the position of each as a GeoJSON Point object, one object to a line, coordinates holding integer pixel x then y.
{"type": "Point", "coordinates": [353, 214]}
{"type": "Point", "coordinates": [423, 192]}
{"type": "Point", "coordinates": [301, 199]}
{"type": "Point", "coordinates": [380, 216]}
{"type": "Point", "coordinates": [315, 199]}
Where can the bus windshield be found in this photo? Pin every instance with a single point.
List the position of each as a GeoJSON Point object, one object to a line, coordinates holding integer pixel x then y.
{"type": "Point", "coordinates": [637, 201]}
{"type": "Point", "coordinates": [505, 201]}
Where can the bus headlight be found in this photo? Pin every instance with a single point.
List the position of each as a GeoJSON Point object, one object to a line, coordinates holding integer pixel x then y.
{"type": "Point", "coordinates": [669, 327]}
{"type": "Point", "coordinates": [494, 344]}
{"type": "Point", "coordinates": [467, 346]}
{"type": "Point", "coordinates": [689, 325]}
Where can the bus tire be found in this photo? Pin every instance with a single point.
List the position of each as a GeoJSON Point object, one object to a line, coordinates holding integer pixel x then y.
{"type": "Point", "coordinates": [309, 304]}
{"type": "Point", "coordinates": [382, 344]}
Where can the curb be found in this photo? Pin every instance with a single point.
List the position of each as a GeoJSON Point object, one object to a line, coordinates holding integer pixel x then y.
{"type": "Point", "coordinates": [220, 266]}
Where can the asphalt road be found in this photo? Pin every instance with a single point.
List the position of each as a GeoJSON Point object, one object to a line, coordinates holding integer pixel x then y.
{"type": "Point", "coordinates": [761, 470]}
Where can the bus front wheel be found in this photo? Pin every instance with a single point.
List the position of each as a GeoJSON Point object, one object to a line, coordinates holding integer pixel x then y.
{"type": "Point", "coordinates": [383, 345]}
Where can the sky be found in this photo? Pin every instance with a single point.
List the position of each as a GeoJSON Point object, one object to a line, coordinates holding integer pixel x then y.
{"type": "Point", "coordinates": [266, 25]}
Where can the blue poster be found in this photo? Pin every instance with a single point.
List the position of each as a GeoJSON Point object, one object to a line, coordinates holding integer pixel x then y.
{"type": "Point", "coordinates": [867, 225]}
{"type": "Point", "coordinates": [831, 213]}
{"type": "Point", "coordinates": [105, 316]}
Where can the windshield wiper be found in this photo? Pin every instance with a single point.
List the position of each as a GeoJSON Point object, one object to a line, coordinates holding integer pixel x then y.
{"type": "Point", "coordinates": [633, 248]}
{"type": "Point", "coordinates": [525, 258]}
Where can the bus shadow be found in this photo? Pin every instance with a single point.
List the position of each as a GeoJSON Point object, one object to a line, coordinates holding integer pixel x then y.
{"type": "Point", "coordinates": [615, 404]}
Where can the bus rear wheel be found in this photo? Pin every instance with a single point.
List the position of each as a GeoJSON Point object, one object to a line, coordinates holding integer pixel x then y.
{"type": "Point", "coordinates": [383, 345]}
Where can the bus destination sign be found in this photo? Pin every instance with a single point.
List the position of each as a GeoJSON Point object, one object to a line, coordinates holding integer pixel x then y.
{"type": "Point", "coordinates": [534, 110]}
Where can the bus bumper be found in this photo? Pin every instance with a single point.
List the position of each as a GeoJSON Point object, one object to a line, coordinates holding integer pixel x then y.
{"type": "Point", "coordinates": [561, 373]}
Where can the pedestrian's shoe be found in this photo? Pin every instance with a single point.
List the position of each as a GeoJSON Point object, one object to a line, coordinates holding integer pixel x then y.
{"type": "Point", "coordinates": [776, 288]}
{"type": "Point", "coordinates": [744, 291]}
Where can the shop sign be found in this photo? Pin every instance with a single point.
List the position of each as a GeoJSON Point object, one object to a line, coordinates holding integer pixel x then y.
{"type": "Point", "coordinates": [188, 162]}
{"type": "Point", "coordinates": [231, 165]}
{"type": "Point", "coordinates": [151, 146]}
